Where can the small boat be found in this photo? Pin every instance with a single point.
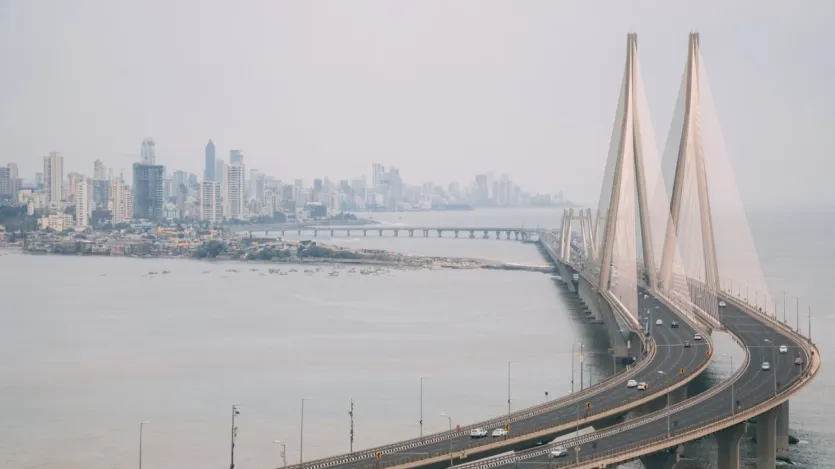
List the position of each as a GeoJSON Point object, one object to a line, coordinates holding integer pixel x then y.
{"type": "Point", "coordinates": [333, 274]}
{"type": "Point", "coordinates": [293, 270]}
{"type": "Point", "coordinates": [166, 271]}
{"type": "Point", "coordinates": [282, 273]}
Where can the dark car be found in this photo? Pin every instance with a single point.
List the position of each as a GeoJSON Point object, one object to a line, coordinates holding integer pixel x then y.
{"type": "Point", "coordinates": [674, 324]}
{"type": "Point", "coordinates": [686, 344]}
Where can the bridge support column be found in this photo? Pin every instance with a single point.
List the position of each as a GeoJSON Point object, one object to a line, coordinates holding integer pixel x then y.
{"type": "Point", "coordinates": [783, 431]}
{"type": "Point", "coordinates": [456, 233]}
{"type": "Point", "coordinates": [348, 232]}
{"type": "Point", "coordinates": [767, 439]}
{"type": "Point", "coordinates": [331, 233]}
{"type": "Point", "coordinates": [516, 235]}
{"type": "Point", "coordinates": [396, 233]}
{"type": "Point", "coordinates": [486, 235]}
{"type": "Point", "coordinates": [300, 232]}
{"type": "Point", "coordinates": [365, 232]}
{"type": "Point", "coordinates": [567, 277]}
{"type": "Point", "coordinates": [440, 233]}
{"type": "Point", "coordinates": [282, 233]}
{"type": "Point", "coordinates": [425, 233]}
{"type": "Point", "coordinates": [315, 233]}
{"type": "Point", "coordinates": [727, 441]}
{"type": "Point", "coordinates": [411, 233]}
{"type": "Point", "coordinates": [472, 234]}
{"type": "Point", "coordinates": [671, 459]}
{"type": "Point", "coordinates": [498, 234]}
{"type": "Point", "coordinates": [380, 233]}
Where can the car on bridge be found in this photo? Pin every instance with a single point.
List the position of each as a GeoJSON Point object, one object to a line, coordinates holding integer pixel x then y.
{"type": "Point", "coordinates": [766, 366]}
{"type": "Point", "coordinates": [686, 344]}
{"type": "Point", "coordinates": [631, 384]}
{"type": "Point", "coordinates": [674, 324]}
{"type": "Point", "coordinates": [697, 337]}
{"type": "Point", "coordinates": [659, 323]}
{"type": "Point", "coordinates": [642, 386]}
{"type": "Point", "coordinates": [478, 433]}
{"type": "Point", "coordinates": [499, 432]}
{"type": "Point", "coordinates": [784, 349]}
{"type": "Point", "coordinates": [722, 304]}
{"type": "Point", "coordinates": [798, 361]}
{"type": "Point", "coordinates": [557, 452]}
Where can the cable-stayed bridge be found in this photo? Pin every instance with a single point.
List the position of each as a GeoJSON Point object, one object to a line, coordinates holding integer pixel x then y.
{"type": "Point", "coordinates": [668, 242]}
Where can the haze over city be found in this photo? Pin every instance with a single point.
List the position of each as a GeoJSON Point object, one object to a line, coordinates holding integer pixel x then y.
{"type": "Point", "coordinates": [440, 90]}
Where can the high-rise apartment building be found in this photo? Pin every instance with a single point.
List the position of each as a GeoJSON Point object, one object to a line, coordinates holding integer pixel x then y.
{"type": "Point", "coordinates": [5, 185]}
{"type": "Point", "coordinates": [148, 153]}
{"type": "Point", "coordinates": [38, 180]}
{"type": "Point", "coordinates": [148, 198]}
{"type": "Point", "coordinates": [121, 201]}
{"type": "Point", "coordinates": [82, 204]}
{"type": "Point", "coordinates": [219, 171]}
{"type": "Point", "coordinates": [377, 173]}
{"type": "Point", "coordinates": [101, 193]}
{"type": "Point", "coordinates": [53, 173]}
{"type": "Point", "coordinates": [233, 191]}
{"type": "Point", "coordinates": [209, 172]}
{"type": "Point", "coordinates": [211, 202]}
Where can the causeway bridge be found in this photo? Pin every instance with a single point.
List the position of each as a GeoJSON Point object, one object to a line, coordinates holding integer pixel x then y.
{"type": "Point", "coordinates": [484, 232]}
{"type": "Point", "coordinates": [647, 254]}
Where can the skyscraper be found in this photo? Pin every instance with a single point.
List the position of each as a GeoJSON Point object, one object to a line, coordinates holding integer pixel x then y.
{"type": "Point", "coordinates": [377, 171]}
{"type": "Point", "coordinates": [147, 191]}
{"type": "Point", "coordinates": [121, 201]}
{"type": "Point", "coordinates": [53, 172]}
{"type": "Point", "coordinates": [5, 185]}
{"type": "Point", "coordinates": [209, 173]}
{"type": "Point", "coordinates": [148, 155]}
{"type": "Point", "coordinates": [219, 171]}
{"type": "Point", "coordinates": [233, 184]}
{"type": "Point", "coordinates": [82, 204]}
{"type": "Point", "coordinates": [211, 202]}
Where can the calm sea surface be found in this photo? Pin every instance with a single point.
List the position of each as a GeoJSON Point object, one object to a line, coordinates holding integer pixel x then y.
{"type": "Point", "coordinates": [90, 347]}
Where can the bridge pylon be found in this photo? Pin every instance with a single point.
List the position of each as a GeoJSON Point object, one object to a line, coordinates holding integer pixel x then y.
{"type": "Point", "coordinates": [623, 213]}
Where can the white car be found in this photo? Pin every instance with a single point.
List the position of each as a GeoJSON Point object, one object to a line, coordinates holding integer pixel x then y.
{"type": "Point", "coordinates": [631, 384]}
{"type": "Point", "coordinates": [557, 452]}
{"type": "Point", "coordinates": [766, 366]}
{"type": "Point", "coordinates": [499, 432]}
{"type": "Point", "coordinates": [697, 337]}
{"type": "Point", "coordinates": [784, 349]}
{"type": "Point", "coordinates": [478, 433]}
{"type": "Point", "coordinates": [659, 323]}
{"type": "Point", "coordinates": [722, 304]}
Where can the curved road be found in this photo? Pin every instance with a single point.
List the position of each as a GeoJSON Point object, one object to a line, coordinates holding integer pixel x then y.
{"type": "Point", "coordinates": [661, 372]}
{"type": "Point", "coordinates": [752, 387]}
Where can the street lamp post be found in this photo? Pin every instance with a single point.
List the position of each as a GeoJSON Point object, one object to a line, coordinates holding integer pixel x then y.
{"type": "Point", "coordinates": [508, 389]}
{"type": "Point", "coordinates": [234, 434]}
{"type": "Point", "coordinates": [301, 432]}
{"type": "Point", "coordinates": [450, 437]}
{"type": "Point", "coordinates": [572, 367]}
{"type": "Point", "coordinates": [283, 452]}
{"type": "Point", "coordinates": [421, 404]}
{"type": "Point", "coordinates": [141, 424]}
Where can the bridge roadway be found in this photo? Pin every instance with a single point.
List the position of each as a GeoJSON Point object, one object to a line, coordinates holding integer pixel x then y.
{"type": "Point", "coordinates": [661, 372]}
{"type": "Point", "coordinates": [752, 387]}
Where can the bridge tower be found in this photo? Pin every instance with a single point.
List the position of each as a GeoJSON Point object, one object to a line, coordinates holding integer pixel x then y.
{"type": "Point", "coordinates": [621, 237]}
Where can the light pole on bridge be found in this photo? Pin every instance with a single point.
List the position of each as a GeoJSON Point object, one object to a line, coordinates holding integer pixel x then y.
{"type": "Point", "coordinates": [141, 424]}
{"type": "Point", "coordinates": [421, 404]}
{"type": "Point", "coordinates": [450, 437]}
{"type": "Point", "coordinates": [301, 432]}
{"type": "Point", "coordinates": [508, 390]}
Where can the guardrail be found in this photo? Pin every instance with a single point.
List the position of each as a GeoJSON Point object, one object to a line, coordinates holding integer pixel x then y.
{"type": "Point", "coordinates": [523, 414]}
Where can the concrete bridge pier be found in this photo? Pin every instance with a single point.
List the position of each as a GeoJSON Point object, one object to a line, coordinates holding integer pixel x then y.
{"type": "Point", "coordinates": [440, 233]}
{"type": "Point", "coordinates": [411, 233]}
{"type": "Point", "coordinates": [300, 232]}
{"type": "Point", "coordinates": [348, 232]}
{"type": "Point", "coordinates": [456, 233]}
{"type": "Point", "coordinates": [727, 441]}
{"type": "Point", "coordinates": [516, 234]}
{"type": "Point", "coordinates": [282, 233]}
{"type": "Point", "coordinates": [396, 233]}
{"type": "Point", "coordinates": [767, 439]}
{"type": "Point", "coordinates": [498, 234]}
{"type": "Point", "coordinates": [486, 235]}
{"type": "Point", "coordinates": [331, 233]}
{"type": "Point", "coordinates": [566, 276]}
{"type": "Point", "coordinates": [670, 459]}
{"type": "Point", "coordinates": [601, 310]}
{"type": "Point", "coordinates": [380, 232]}
{"type": "Point", "coordinates": [425, 233]}
{"type": "Point", "coordinates": [783, 431]}
{"type": "Point", "coordinates": [365, 232]}
{"type": "Point", "coordinates": [472, 234]}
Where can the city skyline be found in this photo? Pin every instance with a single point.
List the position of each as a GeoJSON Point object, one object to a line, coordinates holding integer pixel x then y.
{"type": "Point", "coordinates": [299, 88]}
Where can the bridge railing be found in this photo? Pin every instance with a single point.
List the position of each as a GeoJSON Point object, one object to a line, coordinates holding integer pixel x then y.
{"type": "Point", "coordinates": [783, 392]}
{"type": "Point", "coordinates": [614, 380]}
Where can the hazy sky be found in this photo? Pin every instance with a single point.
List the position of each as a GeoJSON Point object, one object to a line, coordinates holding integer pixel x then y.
{"type": "Point", "coordinates": [440, 89]}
